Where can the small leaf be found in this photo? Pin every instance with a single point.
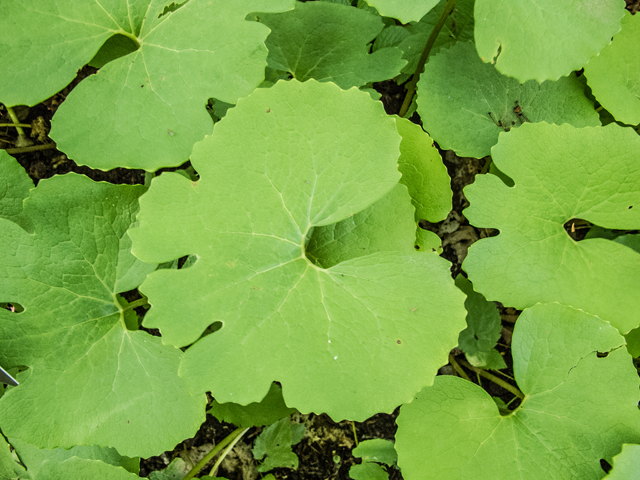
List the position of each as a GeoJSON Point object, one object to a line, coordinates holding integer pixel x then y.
{"type": "Point", "coordinates": [329, 42]}
{"type": "Point", "coordinates": [614, 77]}
{"type": "Point", "coordinates": [10, 469]}
{"type": "Point", "coordinates": [376, 450]}
{"type": "Point", "coordinates": [534, 259]}
{"type": "Point", "coordinates": [464, 104]}
{"type": "Point", "coordinates": [478, 340]}
{"type": "Point", "coordinates": [368, 471]}
{"type": "Point", "coordinates": [268, 411]}
{"type": "Point", "coordinates": [544, 40]}
{"type": "Point", "coordinates": [275, 441]}
{"type": "Point", "coordinates": [578, 408]}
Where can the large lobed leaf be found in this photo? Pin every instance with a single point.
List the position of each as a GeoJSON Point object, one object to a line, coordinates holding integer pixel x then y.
{"type": "Point", "coordinates": [546, 39]}
{"type": "Point", "coordinates": [145, 109]}
{"type": "Point", "coordinates": [285, 161]}
{"type": "Point", "coordinates": [578, 408]}
{"type": "Point", "coordinates": [589, 173]}
{"type": "Point", "coordinates": [90, 380]}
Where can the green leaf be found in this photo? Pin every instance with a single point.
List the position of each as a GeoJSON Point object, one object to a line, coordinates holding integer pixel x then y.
{"type": "Point", "coordinates": [14, 188]}
{"type": "Point", "coordinates": [534, 259]}
{"type": "Point", "coordinates": [33, 457]}
{"type": "Point", "coordinates": [10, 469]}
{"type": "Point", "coordinates": [176, 470]}
{"type": "Point", "coordinates": [270, 173]}
{"type": "Point", "coordinates": [578, 408]}
{"type": "Point", "coordinates": [271, 409]}
{"type": "Point", "coordinates": [376, 450]}
{"type": "Point", "coordinates": [614, 75]}
{"type": "Point", "coordinates": [368, 231]}
{"type": "Point", "coordinates": [464, 103]}
{"type": "Point", "coordinates": [329, 42]}
{"type": "Point", "coordinates": [631, 240]}
{"type": "Point", "coordinates": [368, 471]}
{"type": "Point", "coordinates": [427, 241]}
{"type": "Point", "coordinates": [478, 340]}
{"type": "Point", "coordinates": [145, 109]}
{"type": "Point", "coordinates": [423, 173]}
{"type": "Point", "coordinates": [404, 10]}
{"type": "Point", "coordinates": [544, 40]}
{"type": "Point", "coordinates": [275, 441]}
{"type": "Point", "coordinates": [92, 381]}
{"type": "Point", "coordinates": [75, 467]}
{"type": "Point", "coordinates": [626, 464]}
{"type": "Point", "coordinates": [457, 27]}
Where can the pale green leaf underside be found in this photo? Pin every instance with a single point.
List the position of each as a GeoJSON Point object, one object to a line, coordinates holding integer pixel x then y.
{"type": "Point", "coordinates": [423, 173]}
{"type": "Point", "coordinates": [533, 259]}
{"type": "Point", "coordinates": [614, 75]}
{"type": "Point", "coordinates": [271, 171]}
{"type": "Point", "coordinates": [578, 408]}
{"type": "Point", "coordinates": [464, 103]}
{"type": "Point", "coordinates": [329, 42]}
{"type": "Point", "coordinates": [14, 187]}
{"type": "Point", "coordinates": [626, 464]}
{"type": "Point", "coordinates": [146, 109]}
{"type": "Point", "coordinates": [404, 10]}
{"type": "Point", "coordinates": [92, 381]}
{"type": "Point", "coordinates": [544, 40]}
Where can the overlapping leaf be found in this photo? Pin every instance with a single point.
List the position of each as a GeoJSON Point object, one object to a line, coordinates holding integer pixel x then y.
{"type": "Point", "coordinates": [328, 42]}
{"type": "Point", "coordinates": [464, 103]}
{"type": "Point", "coordinates": [14, 188]}
{"type": "Point", "coordinates": [479, 339]}
{"type": "Point", "coordinates": [145, 109]}
{"type": "Point", "coordinates": [591, 174]}
{"type": "Point", "coordinates": [546, 39]}
{"type": "Point", "coordinates": [457, 28]}
{"type": "Point", "coordinates": [284, 161]}
{"type": "Point", "coordinates": [578, 408]}
{"type": "Point", "coordinates": [614, 75]}
{"type": "Point", "coordinates": [39, 462]}
{"type": "Point", "coordinates": [404, 10]}
{"type": "Point", "coordinates": [92, 381]}
{"type": "Point", "coordinates": [626, 464]}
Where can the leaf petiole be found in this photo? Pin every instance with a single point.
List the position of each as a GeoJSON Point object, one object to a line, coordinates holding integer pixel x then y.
{"type": "Point", "coordinates": [230, 440]}
{"type": "Point", "coordinates": [411, 86]}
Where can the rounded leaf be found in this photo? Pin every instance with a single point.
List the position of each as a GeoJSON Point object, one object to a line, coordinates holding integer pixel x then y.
{"type": "Point", "coordinates": [284, 161]}
{"type": "Point", "coordinates": [544, 40]}
{"type": "Point", "coordinates": [588, 173]}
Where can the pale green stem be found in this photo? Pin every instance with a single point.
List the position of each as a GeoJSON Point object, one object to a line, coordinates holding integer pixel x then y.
{"type": "Point", "coordinates": [458, 368]}
{"type": "Point", "coordinates": [411, 86]}
{"type": "Point", "coordinates": [494, 379]}
{"type": "Point", "coordinates": [355, 436]}
{"type": "Point", "coordinates": [16, 122]}
{"type": "Point", "coordinates": [33, 148]}
{"type": "Point", "coordinates": [238, 432]}
{"type": "Point", "coordinates": [24, 125]}
{"type": "Point", "coordinates": [216, 465]}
